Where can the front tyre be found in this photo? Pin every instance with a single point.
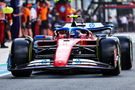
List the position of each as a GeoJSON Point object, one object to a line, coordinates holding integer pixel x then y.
{"type": "Point", "coordinates": [110, 54]}
{"type": "Point", "coordinates": [113, 72]}
{"type": "Point", "coordinates": [20, 55]}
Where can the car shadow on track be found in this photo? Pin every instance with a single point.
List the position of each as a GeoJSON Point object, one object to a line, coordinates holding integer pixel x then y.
{"type": "Point", "coordinates": [67, 74]}
{"type": "Point", "coordinates": [63, 75]}
{"type": "Point", "coordinates": [71, 75]}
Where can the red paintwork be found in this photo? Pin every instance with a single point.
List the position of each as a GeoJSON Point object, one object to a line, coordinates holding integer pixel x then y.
{"type": "Point", "coordinates": [63, 51]}
{"type": "Point", "coordinates": [2, 23]}
{"type": "Point", "coordinates": [115, 56]}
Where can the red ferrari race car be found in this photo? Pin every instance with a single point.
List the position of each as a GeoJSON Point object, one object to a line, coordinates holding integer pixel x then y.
{"type": "Point", "coordinates": [73, 47]}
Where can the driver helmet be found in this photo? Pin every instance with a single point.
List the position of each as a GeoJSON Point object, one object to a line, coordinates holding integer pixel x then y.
{"type": "Point", "coordinates": [75, 34]}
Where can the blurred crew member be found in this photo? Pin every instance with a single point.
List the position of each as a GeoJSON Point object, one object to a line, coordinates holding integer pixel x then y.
{"type": "Point", "coordinates": [2, 25]}
{"type": "Point", "coordinates": [25, 20]}
{"type": "Point", "coordinates": [44, 11]}
{"type": "Point", "coordinates": [124, 22]}
{"type": "Point", "coordinates": [8, 25]}
{"type": "Point", "coordinates": [33, 20]}
{"type": "Point", "coordinates": [55, 17]}
{"type": "Point", "coordinates": [27, 12]}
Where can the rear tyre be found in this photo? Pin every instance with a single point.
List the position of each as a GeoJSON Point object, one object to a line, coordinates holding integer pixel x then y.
{"type": "Point", "coordinates": [20, 55]}
{"type": "Point", "coordinates": [126, 52]}
{"type": "Point", "coordinates": [110, 54]}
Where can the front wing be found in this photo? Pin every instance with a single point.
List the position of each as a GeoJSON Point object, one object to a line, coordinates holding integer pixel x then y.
{"type": "Point", "coordinates": [73, 64]}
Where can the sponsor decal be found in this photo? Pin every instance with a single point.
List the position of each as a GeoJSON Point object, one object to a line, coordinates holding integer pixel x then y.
{"type": "Point", "coordinates": [37, 62]}
{"type": "Point", "coordinates": [92, 25]}
{"type": "Point", "coordinates": [84, 62]}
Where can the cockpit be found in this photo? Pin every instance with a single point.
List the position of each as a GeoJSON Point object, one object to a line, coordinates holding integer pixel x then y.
{"type": "Point", "coordinates": [72, 33]}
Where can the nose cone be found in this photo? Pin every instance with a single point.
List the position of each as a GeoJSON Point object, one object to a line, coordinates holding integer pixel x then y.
{"type": "Point", "coordinates": [63, 52]}
{"type": "Point", "coordinates": [62, 55]}
{"type": "Point", "coordinates": [60, 63]}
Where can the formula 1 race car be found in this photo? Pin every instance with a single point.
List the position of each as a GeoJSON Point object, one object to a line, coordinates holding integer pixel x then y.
{"type": "Point", "coordinates": [73, 47]}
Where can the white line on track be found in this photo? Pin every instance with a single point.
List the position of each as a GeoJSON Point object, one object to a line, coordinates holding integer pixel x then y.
{"type": "Point", "coordinates": [1, 75]}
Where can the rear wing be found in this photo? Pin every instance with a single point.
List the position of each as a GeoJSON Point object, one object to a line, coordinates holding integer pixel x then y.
{"type": "Point", "coordinates": [93, 26]}
{"type": "Point", "coordinates": [89, 26]}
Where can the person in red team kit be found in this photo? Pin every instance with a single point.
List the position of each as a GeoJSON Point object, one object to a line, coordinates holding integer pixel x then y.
{"type": "Point", "coordinates": [2, 25]}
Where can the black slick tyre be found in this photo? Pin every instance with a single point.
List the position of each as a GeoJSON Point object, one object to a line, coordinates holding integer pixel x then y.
{"type": "Point", "coordinates": [126, 52]}
{"type": "Point", "coordinates": [20, 56]}
{"type": "Point", "coordinates": [110, 54]}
